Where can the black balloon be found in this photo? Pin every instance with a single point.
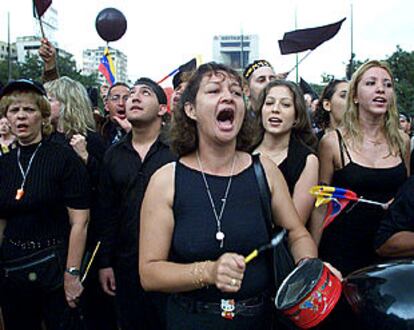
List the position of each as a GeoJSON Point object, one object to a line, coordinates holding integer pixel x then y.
{"type": "Point", "coordinates": [110, 24]}
{"type": "Point", "coordinates": [383, 295]}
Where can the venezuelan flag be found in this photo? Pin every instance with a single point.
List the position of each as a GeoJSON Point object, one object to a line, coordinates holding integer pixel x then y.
{"type": "Point", "coordinates": [335, 206]}
{"type": "Point", "coordinates": [107, 68]}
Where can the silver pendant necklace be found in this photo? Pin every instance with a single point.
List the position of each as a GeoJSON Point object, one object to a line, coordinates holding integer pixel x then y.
{"type": "Point", "coordinates": [20, 191]}
{"type": "Point", "coordinates": [219, 233]}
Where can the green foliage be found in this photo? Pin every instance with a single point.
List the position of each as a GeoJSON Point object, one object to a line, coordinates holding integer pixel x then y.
{"type": "Point", "coordinates": [401, 63]}
{"type": "Point", "coordinates": [33, 68]}
{"type": "Point", "coordinates": [402, 66]}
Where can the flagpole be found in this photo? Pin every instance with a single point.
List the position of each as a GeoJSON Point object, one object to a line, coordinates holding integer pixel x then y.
{"type": "Point", "coordinates": [8, 47]}
{"type": "Point", "coordinates": [297, 55]}
{"type": "Point", "coordinates": [299, 62]}
{"type": "Point", "coordinates": [42, 31]}
{"type": "Point", "coordinates": [351, 62]}
{"type": "Point", "coordinates": [241, 52]}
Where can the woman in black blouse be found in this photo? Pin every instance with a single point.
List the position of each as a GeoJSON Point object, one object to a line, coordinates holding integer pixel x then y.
{"type": "Point", "coordinates": [208, 214]}
{"type": "Point", "coordinates": [286, 137]}
{"type": "Point", "coordinates": [44, 210]}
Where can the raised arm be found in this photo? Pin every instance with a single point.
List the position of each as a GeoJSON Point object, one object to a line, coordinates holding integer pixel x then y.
{"type": "Point", "coordinates": [48, 54]}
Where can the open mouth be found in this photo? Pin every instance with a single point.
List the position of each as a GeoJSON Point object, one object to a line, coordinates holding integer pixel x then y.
{"type": "Point", "coordinates": [275, 121]}
{"type": "Point", "coordinates": [121, 114]}
{"type": "Point", "coordinates": [225, 119]}
{"type": "Point", "coordinates": [22, 126]}
{"type": "Point", "coordinates": [380, 100]}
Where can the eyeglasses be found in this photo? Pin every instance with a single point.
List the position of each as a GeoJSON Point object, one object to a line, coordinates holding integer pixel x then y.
{"type": "Point", "coordinates": [118, 97]}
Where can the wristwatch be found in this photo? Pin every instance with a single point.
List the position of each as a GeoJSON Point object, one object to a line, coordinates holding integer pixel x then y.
{"type": "Point", "coordinates": [73, 271]}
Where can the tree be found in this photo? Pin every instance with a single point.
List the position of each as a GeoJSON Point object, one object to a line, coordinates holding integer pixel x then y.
{"type": "Point", "coordinates": [33, 68]}
{"type": "Point", "coordinates": [67, 67]}
{"type": "Point", "coordinates": [402, 66]}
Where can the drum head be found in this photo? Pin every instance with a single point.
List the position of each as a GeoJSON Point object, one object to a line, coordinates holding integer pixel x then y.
{"type": "Point", "coordinates": [299, 283]}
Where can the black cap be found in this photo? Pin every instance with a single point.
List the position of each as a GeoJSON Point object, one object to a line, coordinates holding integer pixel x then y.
{"type": "Point", "coordinates": [307, 89]}
{"type": "Point", "coordinates": [23, 85]}
{"type": "Point", "coordinates": [186, 67]}
{"type": "Point", "coordinates": [159, 92]}
{"type": "Point", "coordinates": [252, 67]}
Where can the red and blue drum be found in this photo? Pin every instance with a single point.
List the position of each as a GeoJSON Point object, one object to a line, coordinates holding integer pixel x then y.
{"type": "Point", "coordinates": [308, 294]}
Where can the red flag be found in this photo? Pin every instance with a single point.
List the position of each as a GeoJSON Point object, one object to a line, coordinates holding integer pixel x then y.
{"type": "Point", "coordinates": [335, 207]}
{"type": "Point", "coordinates": [41, 6]}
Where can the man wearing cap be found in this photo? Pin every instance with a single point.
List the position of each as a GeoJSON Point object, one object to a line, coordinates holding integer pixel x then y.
{"type": "Point", "coordinates": [257, 75]}
{"type": "Point", "coordinates": [127, 169]}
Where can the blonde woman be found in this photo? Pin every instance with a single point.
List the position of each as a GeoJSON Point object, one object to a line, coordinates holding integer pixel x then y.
{"type": "Point", "coordinates": [369, 155]}
{"type": "Point", "coordinates": [72, 118]}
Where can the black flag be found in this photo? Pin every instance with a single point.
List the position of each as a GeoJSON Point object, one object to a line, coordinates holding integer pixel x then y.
{"type": "Point", "coordinates": [40, 6]}
{"type": "Point", "coordinates": [300, 40]}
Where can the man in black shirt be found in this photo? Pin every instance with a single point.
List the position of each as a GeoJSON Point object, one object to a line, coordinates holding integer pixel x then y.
{"type": "Point", "coordinates": [127, 168]}
{"type": "Point", "coordinates": [395, 236]}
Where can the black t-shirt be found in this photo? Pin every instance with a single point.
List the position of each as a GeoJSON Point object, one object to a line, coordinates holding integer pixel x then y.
{"type": "Point", "coordinates": [56, 180]}
{"type": "Point", "coordinates": [400, 216]}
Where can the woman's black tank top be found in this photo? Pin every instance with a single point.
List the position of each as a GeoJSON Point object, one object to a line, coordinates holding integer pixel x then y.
{"type": "Point", "coordinates": [243, 223]}
{"type": "Point", "coordinates": [348, 242]}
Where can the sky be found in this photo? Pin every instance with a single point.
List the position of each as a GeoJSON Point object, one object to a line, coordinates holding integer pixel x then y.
{"type": "Point", "coordinates": [163, 34]}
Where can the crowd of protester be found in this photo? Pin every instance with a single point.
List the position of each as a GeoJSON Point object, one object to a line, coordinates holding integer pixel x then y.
{"type": "Point", "coordinates": [173, 200]}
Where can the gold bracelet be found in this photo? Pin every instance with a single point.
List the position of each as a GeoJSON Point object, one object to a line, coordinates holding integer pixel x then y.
{"type": "Point", "coordinates": [198, 274]}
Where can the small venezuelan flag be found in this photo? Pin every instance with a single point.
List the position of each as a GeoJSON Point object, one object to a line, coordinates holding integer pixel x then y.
{"type": "Point", "coordinates": [107, 68]}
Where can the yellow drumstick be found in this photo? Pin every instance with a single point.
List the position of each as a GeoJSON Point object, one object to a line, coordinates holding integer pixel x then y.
{"type": "Point", "coordinates": [90, 261]}
{"type": "Point", "coordinates": [275, 241]}
{"type": "Point", "coordinates": [251, 256]}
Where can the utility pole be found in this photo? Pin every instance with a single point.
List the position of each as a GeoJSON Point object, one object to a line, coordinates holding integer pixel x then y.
{"type": "Point", "coordinates": [297, 55]}
{"type": "Point", "coordinates": [241, 52]}
{"type": "Point", "coordinates": [8, 46]}
{"type": "Point", "coordinates": [351, 61]}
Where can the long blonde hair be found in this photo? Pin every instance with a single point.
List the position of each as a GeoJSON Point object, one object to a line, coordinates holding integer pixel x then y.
{"type": "Point", "coordinates": [350, 121]}
{"type": "Point", "coordinates": [76, 115]}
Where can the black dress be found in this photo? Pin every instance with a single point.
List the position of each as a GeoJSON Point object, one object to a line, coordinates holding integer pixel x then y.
{"type": "Point", "coordinates": [292, 166]}
{"type": "Point", "coordinates": [348, 242]}
{"type": "Point", "coordinates": [194, 240]}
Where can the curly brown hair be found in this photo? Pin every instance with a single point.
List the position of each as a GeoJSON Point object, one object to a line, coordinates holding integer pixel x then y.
{"type": "Point", "coordinates": [183, 132]}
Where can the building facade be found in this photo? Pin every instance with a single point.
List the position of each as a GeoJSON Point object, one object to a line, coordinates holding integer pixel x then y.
{"type": "Point", "coordinates": [29, 45]}
{"type": "Point", "coordinates": [4, 51]}
{"type": "Point", "coordinates": [235, 51]}
{"type": "Point", "coordinates": [92, 58]}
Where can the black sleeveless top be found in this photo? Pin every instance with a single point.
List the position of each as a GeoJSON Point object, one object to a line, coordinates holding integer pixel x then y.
{"type": "Point", "coordinates": [243, 223]}
{"type": "Point", "coordinates": [292, 166]}
{"type": "Point", "coordinates": [348, 242]}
